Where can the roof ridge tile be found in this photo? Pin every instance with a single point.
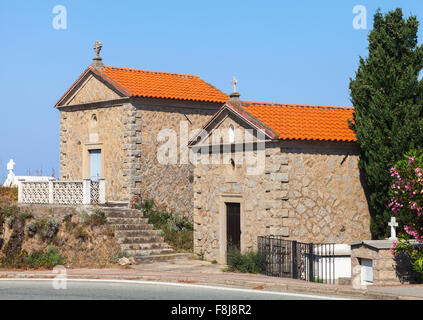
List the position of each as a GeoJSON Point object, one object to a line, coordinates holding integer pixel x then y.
{"type": "Point", "coordinates": [152, 71]}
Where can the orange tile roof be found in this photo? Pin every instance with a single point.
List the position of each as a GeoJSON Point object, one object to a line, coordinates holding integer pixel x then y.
{"type": "Point", "coordinates": [304, 122]}
{"type": "Point", "coordinates": [151, 84]}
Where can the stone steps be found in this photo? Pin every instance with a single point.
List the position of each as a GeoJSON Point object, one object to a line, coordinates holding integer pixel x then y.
{"type": "Point", "coordinates": [144, 239]}
{"type": "Point", "coordinates": [135, 227]}
{"type": "Point", "coordinates": [145, 246]}
{"type": "Point", "coordinates": [130, 221]}
{"type": "Point", "coordinates": [163, 257]}
{"type": "Point", "coordinates": [116, 204]}
{"type": "Point", "coordinates": [137, 237]}
{"type": "Point", "coordinates": [123, 214]}
{"type": "Point", "coordinates": [137, 233]}
{"type": "Point", "coordinates": [146, 252]}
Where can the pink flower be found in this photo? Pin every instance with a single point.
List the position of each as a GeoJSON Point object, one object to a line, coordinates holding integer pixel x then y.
{"type": "Point", "coordinates": [394, 245]}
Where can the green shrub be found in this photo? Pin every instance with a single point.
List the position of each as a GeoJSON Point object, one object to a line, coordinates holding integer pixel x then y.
{"type": "Point", "coordinates": [67, 218]}
{"type": "Point", "coordinates": [177, 230]}
{"type": "Point", "coordinates": [96, 218]}
{"type": "Point", "coordinates": [48, 259]}
{"type": "Point", "coordinates": [10, 221]}
{"type": "Point", "coordinates": [32, 228]}
{"type": "Point", "coordinates": [48, 228]}
{"type": "Point", "coordinates": [36, 259]}
{"type": "Point", "coordinates": [118, 254]}
{"type": "Point", "coordinates": [11, 211]}
{"type": "Point", "coordinates": [26, 215]}
{"type": "Point", "coordinates": [80, 233]}
{"type": "Point", "coordinates": [250, 262]}
{"type": "Point", "coordinates": [69, 225]}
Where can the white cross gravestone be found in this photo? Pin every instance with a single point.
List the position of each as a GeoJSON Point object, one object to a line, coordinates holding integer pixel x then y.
{"type": "Point", "coordinates": [393, 224]}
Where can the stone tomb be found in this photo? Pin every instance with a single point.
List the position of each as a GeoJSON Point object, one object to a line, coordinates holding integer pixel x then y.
{"type": "Point", "coordinates": [373, 263]}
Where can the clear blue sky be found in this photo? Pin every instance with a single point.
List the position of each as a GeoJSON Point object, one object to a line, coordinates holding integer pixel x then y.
{"type": "Point", "coordinates": [301, 52]}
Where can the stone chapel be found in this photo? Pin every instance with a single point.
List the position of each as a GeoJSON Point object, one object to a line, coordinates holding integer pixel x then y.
{"type": "Point", "coordinates": [109, 121]}
{"type": "Point", "coordinates": [309, 189]}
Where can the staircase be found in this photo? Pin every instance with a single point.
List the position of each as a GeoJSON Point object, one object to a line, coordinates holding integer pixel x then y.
{"type": "Point", "coordinates": [137, 237]}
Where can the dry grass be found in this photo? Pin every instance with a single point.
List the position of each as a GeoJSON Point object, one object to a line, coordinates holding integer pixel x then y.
{"type": "Point", "coordinates": [81, 244]}
{"type": "Point", "coordinates": [8, 196]}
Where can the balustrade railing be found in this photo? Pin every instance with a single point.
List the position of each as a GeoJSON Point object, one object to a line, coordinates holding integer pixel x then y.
{"type": "Point", "coordinates": [85, 192]}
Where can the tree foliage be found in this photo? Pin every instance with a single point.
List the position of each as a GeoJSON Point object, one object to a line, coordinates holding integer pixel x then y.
{"type": "Point", "coordinates": [388, 99]}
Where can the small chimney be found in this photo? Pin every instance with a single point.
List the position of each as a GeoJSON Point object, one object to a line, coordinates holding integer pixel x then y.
{"type": "Point", "coordinates": [97, 60]}
{"type": "Point", "coordinates": [235, 95]}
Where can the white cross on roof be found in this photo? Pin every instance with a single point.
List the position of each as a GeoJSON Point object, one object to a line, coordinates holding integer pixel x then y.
{"type": "Point", "coordinates": [234, 83]}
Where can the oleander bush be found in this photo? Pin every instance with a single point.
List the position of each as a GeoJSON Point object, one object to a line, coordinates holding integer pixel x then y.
{"type": "Point", "coordinates": [407, 205]}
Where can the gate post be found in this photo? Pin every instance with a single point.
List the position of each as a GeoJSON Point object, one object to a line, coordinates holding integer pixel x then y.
{"type": "Point", "coordinates": [311, 262]}
{"type": "Point", "coordinates": [294, 260]}
{"type": "Point", "coordinates": [86, 191]}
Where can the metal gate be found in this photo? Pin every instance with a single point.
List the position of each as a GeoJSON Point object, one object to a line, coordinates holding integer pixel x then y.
{"type": "Point", "coordinates": [297, 260]}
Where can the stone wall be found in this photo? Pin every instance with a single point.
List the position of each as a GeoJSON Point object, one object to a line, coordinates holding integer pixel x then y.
{"type": "Point", "coordinates": [59, 212]}
{"type": "Point", "coordinates": [127, 135]}
{"type": "Point", "coordinates": [79, 132]}
{"type": "Point", "coordinates": [387, 269]}
{"type": "Point", "coordinates": [310, 191]}
{"type": "Point", "coordinates": [170, 185]}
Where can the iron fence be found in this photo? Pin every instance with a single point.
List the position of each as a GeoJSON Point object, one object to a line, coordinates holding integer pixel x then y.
{"type": "Point", "coordinates": [297, 260]}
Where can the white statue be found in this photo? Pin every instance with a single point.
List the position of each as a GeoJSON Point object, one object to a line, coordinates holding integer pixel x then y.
{"type": "Point", "coordinates": [11, 176]}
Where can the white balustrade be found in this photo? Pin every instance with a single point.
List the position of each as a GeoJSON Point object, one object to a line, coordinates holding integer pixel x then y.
{"type": "Point", "coordinates": [83, 192]}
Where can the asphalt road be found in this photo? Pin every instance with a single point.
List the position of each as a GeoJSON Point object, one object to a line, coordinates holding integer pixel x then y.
{"type": "Point", "coordinates": [43, 289]}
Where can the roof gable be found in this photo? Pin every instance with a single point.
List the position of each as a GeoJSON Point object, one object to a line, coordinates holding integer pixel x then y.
{"type": "Point", "coordinates": [231, 114]}
{"type": "Point", "coordinates": [127, 82]}
{"type": "Point", "coordinates": [91, 87]}
{"type": "Point", "coordinates": [92, 90]}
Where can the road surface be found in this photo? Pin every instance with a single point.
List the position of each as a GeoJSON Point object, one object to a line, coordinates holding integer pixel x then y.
{"type": "Point", "coordinates": [80, 289]}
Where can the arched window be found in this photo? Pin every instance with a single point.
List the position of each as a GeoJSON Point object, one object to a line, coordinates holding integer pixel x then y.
{"type": "Point", "coordinates": [231, 134]}
{"type": "Point", "coordinates": [94, 120]}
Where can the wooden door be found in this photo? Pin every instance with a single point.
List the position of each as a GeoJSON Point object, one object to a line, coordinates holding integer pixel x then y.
{"type": "Point", "coordinates": [233, 225]}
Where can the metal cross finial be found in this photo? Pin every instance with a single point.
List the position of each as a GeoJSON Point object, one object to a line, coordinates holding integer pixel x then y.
{"type": "Point", "coordinates": [393, 224]}
{"type": "Point", "coordinates": [97, 48]}
{"type": "Point", "coordinates": [234, 83]}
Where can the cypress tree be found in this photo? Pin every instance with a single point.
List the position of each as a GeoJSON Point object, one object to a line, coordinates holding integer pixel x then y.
{"type": "Point", "coordinates": [388, 100]}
